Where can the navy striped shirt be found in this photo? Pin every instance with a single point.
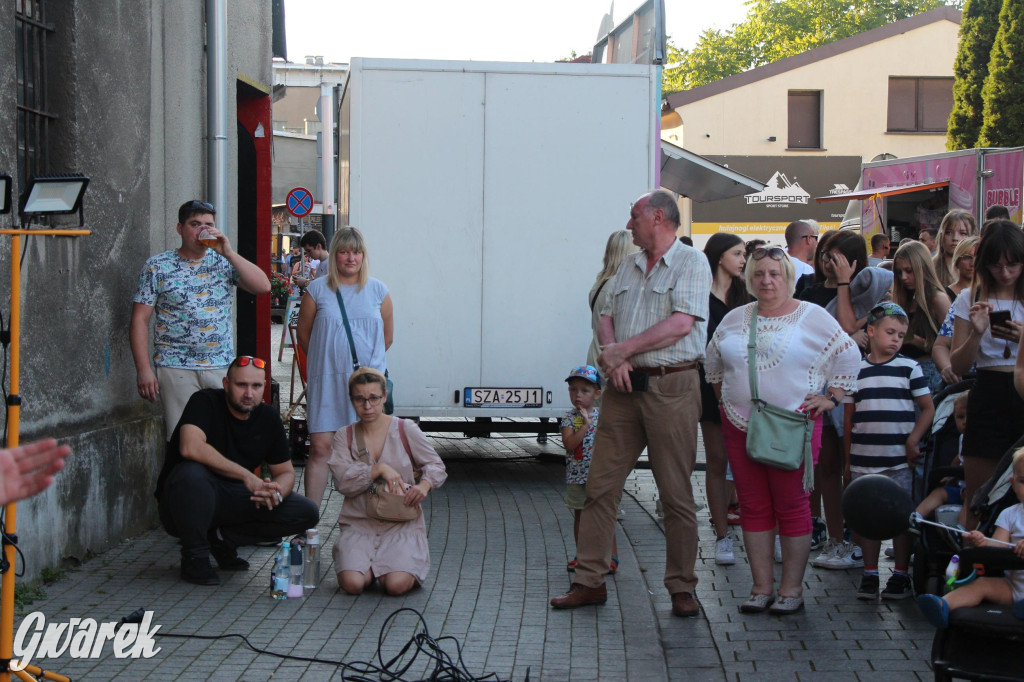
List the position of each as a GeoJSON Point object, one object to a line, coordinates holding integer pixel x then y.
{"type": "Point", "coordinates": [884, 413]}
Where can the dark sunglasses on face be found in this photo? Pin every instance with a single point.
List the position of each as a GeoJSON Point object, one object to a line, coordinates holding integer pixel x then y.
{"type": "Point", "coordinates": [245, 360]}
{"type": "Point", "coordinates": [773, 252]}
{"type": "Point", "coordinates": [811, 236]}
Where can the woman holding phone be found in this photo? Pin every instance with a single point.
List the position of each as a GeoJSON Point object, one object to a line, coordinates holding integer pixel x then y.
{"type": "Point", "coordinates": [988, 319]}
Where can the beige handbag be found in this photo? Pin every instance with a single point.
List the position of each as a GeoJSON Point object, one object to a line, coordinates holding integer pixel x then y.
{"type": "Point", "coordinates": [382, 504]}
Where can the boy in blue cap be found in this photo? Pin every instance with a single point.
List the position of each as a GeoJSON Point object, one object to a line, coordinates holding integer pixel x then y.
{"type": "Point", "coordinates": [578, 428]}
{"type": "Point", "coordinates": [883, 433]}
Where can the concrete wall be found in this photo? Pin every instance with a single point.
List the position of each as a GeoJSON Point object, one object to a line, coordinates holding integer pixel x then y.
{"type": "Point", "coordinates": [295, 164]}
{"type": "Point", "coordinates": [855, 87]}
{"type": "Point", "coordinates": [129, 83]}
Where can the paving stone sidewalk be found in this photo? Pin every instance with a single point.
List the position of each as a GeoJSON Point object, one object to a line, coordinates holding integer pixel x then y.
{"type": "Point", "coordinates": [500, 536]}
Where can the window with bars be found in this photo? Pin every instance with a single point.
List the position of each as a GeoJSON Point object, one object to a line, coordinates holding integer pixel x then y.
{"type": "Point", "coordinates": [35, 117]}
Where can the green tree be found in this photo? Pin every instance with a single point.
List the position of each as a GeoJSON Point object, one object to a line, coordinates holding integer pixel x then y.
{"type": "Point", "coordinates": [977, 34]}
{"type": "Point", "coordinates": [775, 29]}
{"type": "Point", "coordinates": [1003, 92]}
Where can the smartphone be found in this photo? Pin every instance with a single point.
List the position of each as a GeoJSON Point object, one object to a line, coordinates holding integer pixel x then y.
{"type": "Point", "coordinates": [638, 380]}
{"type": "Point", "coordinates": [999, 318]}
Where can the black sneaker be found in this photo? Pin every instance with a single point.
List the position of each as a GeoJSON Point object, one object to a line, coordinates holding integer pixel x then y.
{"type": "Point", "coordinates": [868, 590]}
{"type": "Point", "coordinates": [819, 533]}
{"type": "Point", "coordinates": [225, 553]}
{"type": "Point", "coordinates": [898, 587]}
{"type": "Point", "coordinates": [198, 571]}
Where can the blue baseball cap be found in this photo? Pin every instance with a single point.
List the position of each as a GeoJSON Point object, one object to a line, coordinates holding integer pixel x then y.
{"type": "Point", "coordinates": [886, 309]}
{"type": "Point", "coordinates": [587, 373]}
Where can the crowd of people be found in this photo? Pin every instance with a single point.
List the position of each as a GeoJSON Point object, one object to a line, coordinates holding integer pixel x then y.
{"type": "Point", "coordinates": [856, 343]}
{"type": "Point", "coordinates": [228, 478]}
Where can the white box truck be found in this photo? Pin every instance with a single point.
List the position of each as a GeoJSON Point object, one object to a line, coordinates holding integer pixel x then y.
{"type": "Point", "coordinates": [487, 192]}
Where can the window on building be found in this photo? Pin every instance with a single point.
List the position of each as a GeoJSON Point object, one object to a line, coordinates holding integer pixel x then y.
{"type": "Point", "coordinates": [35, 118]}
{"type": "Point", "coordinates": [919, 105]}
{"type": "Point", "coordinates": [805, 119]}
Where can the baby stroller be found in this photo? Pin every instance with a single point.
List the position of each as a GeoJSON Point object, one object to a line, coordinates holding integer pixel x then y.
{"type": "Point", "coordinates": [934, 547]}
{"type": "Point", "coordinates": [982, 642]}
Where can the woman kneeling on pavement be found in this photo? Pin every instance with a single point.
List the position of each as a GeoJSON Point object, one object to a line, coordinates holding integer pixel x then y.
{"type": "Point", "coordinates": [805, 362]}
{"type": "Point", "coordinates": [396, 455]}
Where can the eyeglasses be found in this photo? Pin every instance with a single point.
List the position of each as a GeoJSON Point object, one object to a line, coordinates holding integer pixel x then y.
{"type": "Point", "coordinates": [773, 252]}
{"type": "Point", "coordinates": [246, 360]}
{"type": "Point", "coordinates": [812, 237]}
{"type": "Point", "coordinates": [369, 400]}
{"type": "Point", "coordinates": [196, 204]}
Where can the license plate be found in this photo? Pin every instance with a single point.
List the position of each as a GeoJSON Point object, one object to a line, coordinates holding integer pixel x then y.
{"type": "Point", "coordinates": [502, 397]}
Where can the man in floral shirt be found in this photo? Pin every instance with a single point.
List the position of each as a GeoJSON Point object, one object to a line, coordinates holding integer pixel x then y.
{"type": "Point", "coordinates": [191, 289]}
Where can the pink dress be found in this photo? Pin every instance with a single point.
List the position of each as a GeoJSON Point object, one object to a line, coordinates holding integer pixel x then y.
{"type": "Point", "coordinates": [382, 546]}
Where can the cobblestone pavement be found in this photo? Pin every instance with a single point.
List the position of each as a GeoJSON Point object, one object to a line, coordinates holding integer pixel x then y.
{"type": "Point", "coordinates": [499, 538]}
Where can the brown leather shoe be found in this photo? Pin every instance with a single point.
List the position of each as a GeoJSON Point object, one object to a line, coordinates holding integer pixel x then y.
{"type": "Point", "coordinates": [684, 605]}
{"type": "Point", "coordinates": [580, 595]}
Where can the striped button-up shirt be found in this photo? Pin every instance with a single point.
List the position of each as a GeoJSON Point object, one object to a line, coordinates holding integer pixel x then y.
{"type": "Point", "coordinates": [680, 282]}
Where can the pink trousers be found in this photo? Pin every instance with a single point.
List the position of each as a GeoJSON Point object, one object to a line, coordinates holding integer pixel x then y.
{"type": "Point", "coordinates": [769, 497]}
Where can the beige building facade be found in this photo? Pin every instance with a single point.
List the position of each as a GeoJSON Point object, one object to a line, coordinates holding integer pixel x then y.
{"type": "Point", "coordinates": [887, 91]}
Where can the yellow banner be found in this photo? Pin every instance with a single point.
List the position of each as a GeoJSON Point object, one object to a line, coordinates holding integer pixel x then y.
{"type": "Point", "coordinates": [749, 230]}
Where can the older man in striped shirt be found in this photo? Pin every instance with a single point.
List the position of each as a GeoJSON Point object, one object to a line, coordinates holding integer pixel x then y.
{"type": "Point", "coordinates": [653, 333]}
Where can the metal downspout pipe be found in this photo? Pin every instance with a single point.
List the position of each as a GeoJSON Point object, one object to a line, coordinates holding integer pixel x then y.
{"type": "Point", "coordinates": [217, 110]}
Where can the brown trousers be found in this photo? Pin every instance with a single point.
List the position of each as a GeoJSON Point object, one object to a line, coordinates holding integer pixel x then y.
{"type": "Point", "coordinates": [664, 420]}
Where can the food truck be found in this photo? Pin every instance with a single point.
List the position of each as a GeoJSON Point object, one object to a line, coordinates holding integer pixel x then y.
{"type": "Point", "coordinates": [903, 196]}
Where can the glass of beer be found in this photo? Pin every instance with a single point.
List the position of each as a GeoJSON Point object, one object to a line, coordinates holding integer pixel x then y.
{"type": "Point", "coordinates": [207, 239]}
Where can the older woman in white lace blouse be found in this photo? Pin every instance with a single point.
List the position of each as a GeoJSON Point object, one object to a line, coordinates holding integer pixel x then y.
{"type": "Point", "coordinates": [806, 363]}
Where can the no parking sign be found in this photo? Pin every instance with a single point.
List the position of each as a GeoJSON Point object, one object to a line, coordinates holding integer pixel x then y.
{"type": "Point", "coordinates": [299, 202]}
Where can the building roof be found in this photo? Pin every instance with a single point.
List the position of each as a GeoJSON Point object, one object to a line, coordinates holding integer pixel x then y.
{"type": "Point", "coordinates": [811, 56]}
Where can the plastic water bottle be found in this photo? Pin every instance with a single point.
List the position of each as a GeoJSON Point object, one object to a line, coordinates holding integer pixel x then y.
{"type": "Point", "coordinates": [295, 573]}
{"type": "Point", "coordinates": [282, 572]}
{"type": "Point", "coordinates": [951, 569]}
{"type": "Point", "coordinates": [311, 559]}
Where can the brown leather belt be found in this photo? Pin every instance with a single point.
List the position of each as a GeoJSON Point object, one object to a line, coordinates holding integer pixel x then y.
{"type": "Point", "coordinates": [662, 371]}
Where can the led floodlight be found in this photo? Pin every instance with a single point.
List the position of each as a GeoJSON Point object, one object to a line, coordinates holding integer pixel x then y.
{"type": "Point", "coordinates": [5, 193]}
{"type": "Point", "coordinates": [56, 194]}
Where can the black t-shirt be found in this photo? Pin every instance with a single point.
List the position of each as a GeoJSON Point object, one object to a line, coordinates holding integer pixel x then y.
{"type": "Point", "coordinates": [248, 442]}
{"type": "Point", "coordinates": [818, 294]}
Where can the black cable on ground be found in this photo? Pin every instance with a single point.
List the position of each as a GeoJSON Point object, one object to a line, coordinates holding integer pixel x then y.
{"type": "Point", "coordinates": [445, 668]}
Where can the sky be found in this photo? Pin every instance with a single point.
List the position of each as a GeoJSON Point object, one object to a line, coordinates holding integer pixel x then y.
{"type": "Point", "coordinates": [479, 30]}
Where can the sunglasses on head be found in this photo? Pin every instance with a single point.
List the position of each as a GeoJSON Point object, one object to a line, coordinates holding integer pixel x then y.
{"type": "Point", "coordinates": [203, 205]}
{"type": "Point", "coordinates": [773, 252]}
{"type": "Point", "coordinates": [245, 360]}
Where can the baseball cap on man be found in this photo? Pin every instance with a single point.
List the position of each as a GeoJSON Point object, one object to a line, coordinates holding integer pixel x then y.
{"type": "Point", "coordinates": [587, 373]}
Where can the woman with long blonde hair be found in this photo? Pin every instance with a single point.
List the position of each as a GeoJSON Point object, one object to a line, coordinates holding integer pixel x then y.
{"type": "Point", "coordinates": [963, 265]}
{"type": "Point", "coordinates": [620, 245]}
{"type": "Point", "coordinates": [917, 290]}
{"type": "Point", "coordinates": [956, 226]}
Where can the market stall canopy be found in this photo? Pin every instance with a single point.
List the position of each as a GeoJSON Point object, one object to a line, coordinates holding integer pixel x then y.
{"type": "Point", "coordinates": [693, 176]}
{"type": "Point", "coordinates": [872, 192]}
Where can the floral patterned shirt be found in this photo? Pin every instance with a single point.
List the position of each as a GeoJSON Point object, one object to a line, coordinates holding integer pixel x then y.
{"type": "Point", "coordinates": [578, 464]}
{"type": "Point", "coordinates": [192, 300]}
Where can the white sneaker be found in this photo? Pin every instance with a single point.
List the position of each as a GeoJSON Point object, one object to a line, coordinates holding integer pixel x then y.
{"type": "Point", "coordinates": [777, 554]}
{"type": "Point", "coordinates": [848, 555]}
{"type": "Point", "coordinates": [724, 555]}
{"type": "Point", "coordinates": [828, 552]}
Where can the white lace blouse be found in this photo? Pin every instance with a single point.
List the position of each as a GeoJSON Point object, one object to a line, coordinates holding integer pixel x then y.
{"type": "Point", "coordinates": [798, 354]}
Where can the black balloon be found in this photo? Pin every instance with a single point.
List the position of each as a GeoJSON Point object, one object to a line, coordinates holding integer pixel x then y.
{"type": "Point", "coordinates": [876, 507]}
